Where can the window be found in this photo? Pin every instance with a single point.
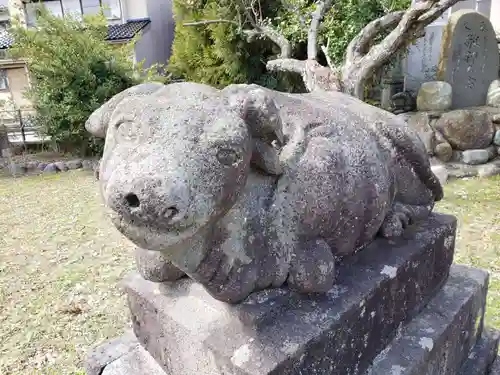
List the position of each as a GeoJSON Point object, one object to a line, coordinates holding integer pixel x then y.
{"type": "Point", "coordinates": [54, 7]}
{"type": "Point", "coordinates": [113, 9]}
{"type": "Point", "coordinates": [31, 13]}
{"type": "Point", "coordinates": [74, 7]}
{"type": "Point", "coordinates": [4, 81]}
{"type": "Point", "coordinates": [91, 6]}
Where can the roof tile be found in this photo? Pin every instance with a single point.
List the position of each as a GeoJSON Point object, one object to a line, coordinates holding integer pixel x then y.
{"type": "Point", "coordinates": [118, 32]}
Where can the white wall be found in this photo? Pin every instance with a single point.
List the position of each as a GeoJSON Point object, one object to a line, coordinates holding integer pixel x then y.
{"type": "Point", "coordinates": [134, 9]}
{"type": "Point", "coordinates": [156, 42]}
{"type": "Point", "coordinates": [495, 15]}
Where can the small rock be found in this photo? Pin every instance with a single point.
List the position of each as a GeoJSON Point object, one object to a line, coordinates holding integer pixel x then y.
{"type": "Point", "coordinates": [441, 173]}
{"type": "Point", "coordinates": [492, 152]}
{"type": "Point", "coordinates": [434, 96]}
{"type": "Point", "coordinates": [88, 165]}
{"type": "Point", "coordinates": [41, 166]}
{"type": "Point", "coordinates": [493, 96]}
{"type": "Point", "coordinates": [74, 164]}
{"type": "Point", "coordinates": [17, 169]}
{"type": "Point", "coordinates": [496, 119]}
{"type": "Point", "coordinates": [444, 151]}
{"type": "Point", "coordinates": [496, 138]}
{"type": "Point", "coordinates": [457, 156]}
{"type": "Point", "coordinates": [61, 166]}
{"type": "Point", "coordinates": [31, 165]}
{"type": "Point", "coordinates": [475, 157]}
{"type": "Point", "coordinates": [7, 153]}
{"type": "Point", "coordinates": [489, 170]}
{"type": "Point", "coordinates": [466, 129]}
{"type": "Point", "coordinates": [51, 168]}
{"type": "Point", "coordinates": [460, 170]}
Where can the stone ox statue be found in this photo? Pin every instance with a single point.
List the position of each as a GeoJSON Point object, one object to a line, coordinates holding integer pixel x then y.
{"type": "Point", "coordinates": [247, 188]}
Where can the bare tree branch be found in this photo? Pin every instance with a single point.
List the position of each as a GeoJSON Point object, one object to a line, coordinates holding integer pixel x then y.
{"type": "Point", "coordinates": [267, 31]}
{"type": "Point", "coordinates": [209, 22]}
{"type": "Point", "coordinates": [325, 49]}
{"type": "Point", "coordinates": [322, 7]}
{"type": "Point", "coordinates": [363, 60]}
{"type": "Point", "coordinates": [409, 25]}
{"type": "Point", "coordinates": [253, 15]}
{"type": "Point", "coordinates": [360, 44]}
{"type": "Point", "coordinates": [286, 65]}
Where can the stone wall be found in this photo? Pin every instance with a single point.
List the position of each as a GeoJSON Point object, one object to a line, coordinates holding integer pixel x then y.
{"type": "Point", "coordinates": [30, 167]}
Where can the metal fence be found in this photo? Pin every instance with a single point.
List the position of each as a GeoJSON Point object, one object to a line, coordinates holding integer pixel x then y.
{"type": "Point", "coordinates": [20, 128]}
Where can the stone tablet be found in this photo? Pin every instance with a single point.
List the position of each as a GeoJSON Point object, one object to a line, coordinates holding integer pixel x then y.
{"type": "Point", "coordinates": [469, 59]}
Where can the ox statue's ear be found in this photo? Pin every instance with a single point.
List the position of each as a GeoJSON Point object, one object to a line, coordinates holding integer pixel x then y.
{"type": "Point", "coordinates": [256, 106]}
{"type": "Point", "coordinates": [97, 123]}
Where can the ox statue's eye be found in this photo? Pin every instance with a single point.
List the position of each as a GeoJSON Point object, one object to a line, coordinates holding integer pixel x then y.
{"type": "Point", "coordinates": [128, 130]}
{"type": "Point", "coordinates": [227, 156]}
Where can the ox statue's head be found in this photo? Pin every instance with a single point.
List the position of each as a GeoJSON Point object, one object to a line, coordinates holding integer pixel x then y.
{"type": "Point", "coordinates": [177, 157]}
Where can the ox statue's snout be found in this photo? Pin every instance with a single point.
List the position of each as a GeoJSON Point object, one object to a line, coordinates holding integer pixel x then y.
{"type": "Point", "coordinates": [151, 201]}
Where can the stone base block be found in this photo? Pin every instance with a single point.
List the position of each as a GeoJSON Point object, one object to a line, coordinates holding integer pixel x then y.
{"type": "Point", "coordinates": [440, 339]}
{"type": "Point", "coordinates": [280, 332]}
{"type": "Point", "coordinates": [482, 355]}
{"type": "Point", "coordinates": [103, 355]}
{"type": "Point", "coordinates": [137, 362]}
{"type": "Point", "coordinates": [122, 356]}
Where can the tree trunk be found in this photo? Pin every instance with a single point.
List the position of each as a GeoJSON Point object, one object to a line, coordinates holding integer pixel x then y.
{"type": "Point", "coordinates": [363, 57]}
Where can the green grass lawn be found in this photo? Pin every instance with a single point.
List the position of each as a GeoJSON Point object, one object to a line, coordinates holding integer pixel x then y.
{"type": "Point", "coordinates": [61, 262]}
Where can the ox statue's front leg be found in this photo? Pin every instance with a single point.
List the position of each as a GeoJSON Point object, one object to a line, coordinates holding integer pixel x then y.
{"type": "Point", "coordinates": [154, 266]}
{"type": "Point", "coordinates": [312, 268]}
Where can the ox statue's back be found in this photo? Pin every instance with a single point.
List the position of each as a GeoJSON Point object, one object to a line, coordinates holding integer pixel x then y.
{"type": "Point", "coordinates": [246, 188]}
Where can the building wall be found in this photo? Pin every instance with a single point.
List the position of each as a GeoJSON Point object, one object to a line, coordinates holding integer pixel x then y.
{"type": "Point", "coordinates": [16, 10]}
{"type": "Point", "coordinates": [495, 15]}
{"type": "Point", "coordinates": [134, 9]}
{"type": "Point", "coordinates": [156, 43]}
{"type": "Point", "coordinates": [18, 84]}
{"type": "Point", "coordinates": [13, 98]}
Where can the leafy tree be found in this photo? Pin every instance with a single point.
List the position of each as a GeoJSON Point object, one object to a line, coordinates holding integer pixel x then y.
{"type": "Point", "coordinates": [341, 23]}
{"type": "Point", "coordinates": [218, 53]}
{"type": "Point", "coordinates": [73, 71]}
{"type": "Point", "coordinates": [336, 45]}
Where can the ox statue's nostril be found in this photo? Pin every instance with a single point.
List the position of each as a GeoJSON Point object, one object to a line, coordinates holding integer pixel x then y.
{"type": "Point", "coordinates": [132, 200]}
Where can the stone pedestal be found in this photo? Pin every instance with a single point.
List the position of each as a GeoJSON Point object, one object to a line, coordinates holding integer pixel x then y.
{"type": "Point", "coordinates": [396, 309]}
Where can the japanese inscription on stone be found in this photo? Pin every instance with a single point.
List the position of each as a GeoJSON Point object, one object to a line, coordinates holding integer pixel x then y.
{"type": "Point", "coordinates": [469, 58]}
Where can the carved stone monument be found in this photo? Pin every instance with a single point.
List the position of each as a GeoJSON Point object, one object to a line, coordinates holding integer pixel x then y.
{"type": "Point", "coordinates": [423, 55]}
{"type": "Point", "coordinates": [469, 59]}
{"type": "Point", "coordinates": [282, 234]}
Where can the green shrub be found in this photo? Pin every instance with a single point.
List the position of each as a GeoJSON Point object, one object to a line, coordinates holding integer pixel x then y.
{"type": "Point", "coordinates": [73, 71]}
{"type": "Point", "coordinates": [218, 54]}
